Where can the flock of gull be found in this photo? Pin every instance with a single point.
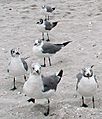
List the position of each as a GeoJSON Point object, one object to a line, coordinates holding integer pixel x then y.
{"type": "Point", "coordinates": [38, 86]}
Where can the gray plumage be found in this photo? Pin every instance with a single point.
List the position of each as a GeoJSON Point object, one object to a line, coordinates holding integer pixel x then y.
{"type": "Point", "coordinates": [53, 48]}
{"type": "Point", "coordinates": [49, 9]}
{"type": "Point", "coordinates": [49, 26]}
{"type": "Point", "coordinates": [24, 64]}
{"type": "Point", "coordinates": [51, 82]}
{"type": "Point", "coordinates": [50, 48]}
{"type": "Point", "coordinates": [78, 76]}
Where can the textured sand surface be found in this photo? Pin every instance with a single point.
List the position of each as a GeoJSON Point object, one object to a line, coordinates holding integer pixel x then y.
{"type": "Point", "coordinates": [81, 22]}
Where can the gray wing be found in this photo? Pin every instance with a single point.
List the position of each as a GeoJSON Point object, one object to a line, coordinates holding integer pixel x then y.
{"type": "Point", "coordinates": [78, 76]}
{"type": "Point", "coordinates": [24, 64]}
{"type": "Point", "coordinates": [50, 82]}
{"type": "Point", "coordinates": [49, 9]}
{"type": "Point", "coordinates": [51, 48]}
{"type": "Point", "coordinates": [48, 25]}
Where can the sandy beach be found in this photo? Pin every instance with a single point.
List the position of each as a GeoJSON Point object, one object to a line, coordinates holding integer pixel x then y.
{"type": "Point", "coordinates": [79, 21]}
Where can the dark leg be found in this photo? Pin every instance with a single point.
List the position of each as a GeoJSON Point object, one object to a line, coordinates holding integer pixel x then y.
{"type": "Point", "coordinates": [48, 17]}
{"type": "Point", "coordinates": [49, 61]}
{"type": "Point", "coordinates": [93, 101]}
{"type": "Point", "coordinates": [31, 100]}
{"type": "Point", "coordinates": [14, 88]}
{"type": "Point", "coordinates": [83, 104]}
{"type": "Point", "coordinates": [48, 37]}
{"type": "Point", "coordinates": [25, 78]}
{"type": "Point", "coordinates": [42, 36]}
{"type": "Point", "coordinates": [48, 109]}
{"type": "Point", "coordinates": [44, 63]}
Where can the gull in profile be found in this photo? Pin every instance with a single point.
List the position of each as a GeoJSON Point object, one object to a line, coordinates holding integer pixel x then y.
{"type": "Point", "coordinates": [44, 26]}
{"type": "Point", "coordinates": [47, 10]}
{"type": "Point", "coordinates": [17, 66]}
{"type": "Point", "coordinates": [87, 84]}
{"type": "Point", "coordinates": [39, 87]}
{"type": "Point", "coordinates": [45, 49]}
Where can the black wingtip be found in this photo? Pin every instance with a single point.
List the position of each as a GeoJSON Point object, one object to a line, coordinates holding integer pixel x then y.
{"type": "Point", "coordinates": [8, 70]}
{"type": "Point", "coordinates": [53, 8]}
{"type": "Point", "coordinates": [60, 73]}
{"type": "Point", "coordinates": [67, 43]}
{"type": "Point", "coordinates": [55, 23]}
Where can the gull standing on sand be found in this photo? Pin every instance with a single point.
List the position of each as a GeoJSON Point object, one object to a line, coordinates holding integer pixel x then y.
{"type": "Point", "coordinates": [17, 66]}
{"type": "Point", "coordinates": [87, 84]}
{"type": "Point", "coordinates": [44, 49]}
{"type": "Point", "coordinates": [38, 86]}
{"type": "Point", "coordinates": [47, 10]}
{"type": "Point", "coordinates": [44, 26]}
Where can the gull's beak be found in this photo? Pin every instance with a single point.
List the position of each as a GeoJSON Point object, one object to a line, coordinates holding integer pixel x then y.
{"type": "Point", "coordinates": [17, 53]}
{"type": "Point", "coordinates": [35, 44]}
{"type": "Point", "coordinates": [37, 23]}
{"type": "Point", "coordinates": [38, 72]}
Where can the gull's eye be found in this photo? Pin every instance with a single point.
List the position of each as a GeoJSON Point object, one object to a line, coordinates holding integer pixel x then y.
{"type": "Point", "coordinates": [33, 68]}
{"type": "Point", "coordinates": [39, 41]}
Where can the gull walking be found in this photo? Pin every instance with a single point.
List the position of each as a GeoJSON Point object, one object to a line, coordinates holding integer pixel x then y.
{"type": "Point", "coordinates": [38, 86]}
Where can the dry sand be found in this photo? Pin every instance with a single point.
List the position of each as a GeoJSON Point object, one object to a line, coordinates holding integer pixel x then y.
{"type": "Point", "coordinates": [81, 22]}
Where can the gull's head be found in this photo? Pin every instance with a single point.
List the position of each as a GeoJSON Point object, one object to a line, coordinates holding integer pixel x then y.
{"type": "Point", "coordinates": [88, 72]}
{"type": "Point", "coordinates": [15, 52]}
{"type": "Point", "coordinates": [40, 21]}
{"type": "Point", "coordinates": [43, 6]}
{"type": "Point", "coordinates": [36, 69]}
{"type": "Point", "coordinates": [37, 42]}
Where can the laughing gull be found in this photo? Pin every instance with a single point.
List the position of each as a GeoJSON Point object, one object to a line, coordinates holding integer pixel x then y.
{"type": "Point", "coordinates": [38, 86]}
{"type": "Point", "coordinates": [45, 26]}
{"type": "Point", "coordinates": [45, 49]}
{"type": "Point", "coordinates": [46, 10]}
{"type": "Point", "coordinates": [17, 66]}
{"type": "Point", "coordinates": [86, 84]}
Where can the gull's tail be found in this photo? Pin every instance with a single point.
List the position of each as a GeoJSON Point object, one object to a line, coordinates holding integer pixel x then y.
{"type": "Point", "coordinates": [60, 75]}
{"type": "Point", "coordinates": [66, 43]}
{"type": "Point", "coordinates": [54, 24]}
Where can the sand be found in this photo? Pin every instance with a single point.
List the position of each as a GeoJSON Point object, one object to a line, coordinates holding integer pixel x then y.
{"type": "Point", "coordinates": [81, 22]}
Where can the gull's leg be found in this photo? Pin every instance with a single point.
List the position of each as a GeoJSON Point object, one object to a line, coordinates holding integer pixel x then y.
{"type": "Point", "coordinates": [48, 37]}
{"type": "Point", "coordinates": [93, 101]}
{"type": "Point", "coordinates": [49, 61]}
{"type": "Point", "coordinates": [42, 36]}
{"type": "Point", "coordinates": [83, 104]}
{"type": "Point", "coordinates": [48, 17]}
{"type": "Point", "coordinates": [44, 65]}
{"type": "Point", "coordinates": [14, 81]}
{"type": "Point", "coordinates": [48, 109]}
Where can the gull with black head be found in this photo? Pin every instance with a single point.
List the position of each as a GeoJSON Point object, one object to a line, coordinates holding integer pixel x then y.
{"type": "Point", "coordinates": [17, 66]}
{"type": "Point", "coordinates": [38, 86]}
{"type": "Point", "coordinates": [87, 84]}
{"type": "Point", "coordinates": [45, 49]}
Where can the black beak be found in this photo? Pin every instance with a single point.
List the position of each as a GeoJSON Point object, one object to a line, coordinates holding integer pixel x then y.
{"type": "Point", "coordinates": [35, 44]}
{"type": "Point", "coordinates": [38, 71]}
{"type": "Point", "coordinates": [88, 75]}
{"type": "Point", "coordinates": [37, 23]}
{"type": "Point", "coordinates": [17, 53]}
